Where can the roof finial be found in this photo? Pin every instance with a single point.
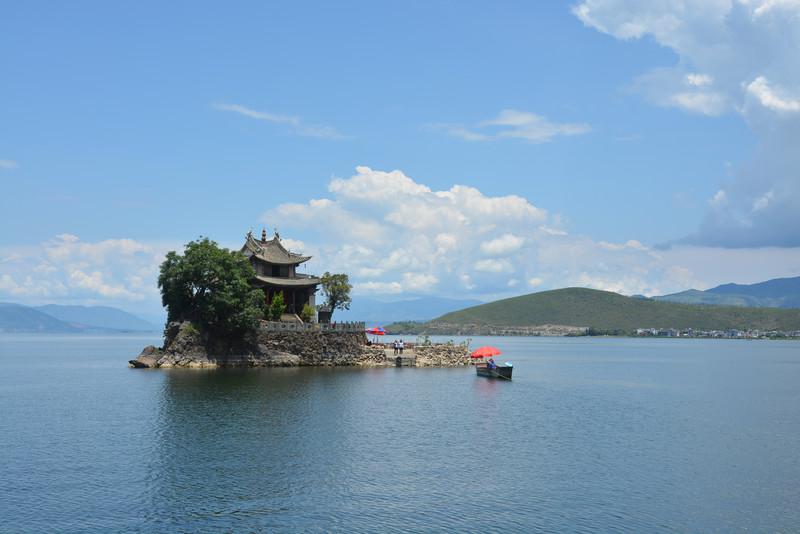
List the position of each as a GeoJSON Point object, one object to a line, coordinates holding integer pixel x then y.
{"type": "Point", "coordinates": [263, 235]}
{"type": "Point", "coordinates": [277, 234]}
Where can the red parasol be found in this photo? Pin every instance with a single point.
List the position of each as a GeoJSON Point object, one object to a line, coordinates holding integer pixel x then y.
{"type": "Point", "coordinates": [376, 330]}
{"type": "Point", "coordinates": [485, 352]}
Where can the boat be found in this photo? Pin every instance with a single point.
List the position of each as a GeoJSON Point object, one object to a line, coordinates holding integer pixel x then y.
{"type": "Point", "coordinates": [500, 371]}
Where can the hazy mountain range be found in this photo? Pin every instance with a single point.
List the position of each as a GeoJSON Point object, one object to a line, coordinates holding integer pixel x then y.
{"type": "Point", "coordinates": [56, 318]}
{"type": "Point", "coordinates": [777, 293]}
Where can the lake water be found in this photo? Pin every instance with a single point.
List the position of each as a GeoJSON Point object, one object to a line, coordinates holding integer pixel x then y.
{"type": "Point", "coordinates": [592, 435]}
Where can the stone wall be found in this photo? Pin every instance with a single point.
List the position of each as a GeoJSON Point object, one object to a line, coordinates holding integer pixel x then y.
{"type": "Point", "coordinates": [442, 355]}
{"type": "Point", "coordinates": [267, 346]}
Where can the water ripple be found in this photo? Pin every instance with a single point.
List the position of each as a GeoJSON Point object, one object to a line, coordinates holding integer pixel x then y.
{"type": "Point", "coordinates": [590, 437]}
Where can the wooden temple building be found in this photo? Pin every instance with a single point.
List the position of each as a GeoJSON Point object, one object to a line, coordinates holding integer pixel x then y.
{"type": "Point", "coordinates": [276, 272]}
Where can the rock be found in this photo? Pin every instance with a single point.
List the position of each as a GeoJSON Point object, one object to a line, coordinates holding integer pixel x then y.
{"type": "Point", "coordinates": [147, 359]}
{"type": "Point", "coordinates": [186, 346]}
{"type": "Point", "coordinates": [442, 355]}
{"type": "Point", "coordinates": [283, 359]}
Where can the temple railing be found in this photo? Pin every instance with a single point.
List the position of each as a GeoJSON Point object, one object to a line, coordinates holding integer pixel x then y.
{"type": "Point", "coordinates": [347, 326]}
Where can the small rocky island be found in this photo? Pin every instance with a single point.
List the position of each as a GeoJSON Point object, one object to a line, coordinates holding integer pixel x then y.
{"type": "Point", "coordinates": [277, 344]}
{"type": "Point", "coordinates": [251, 308]}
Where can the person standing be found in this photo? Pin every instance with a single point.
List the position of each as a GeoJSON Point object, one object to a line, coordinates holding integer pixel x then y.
{"type": "Point", "coordinates": [401, 344]}
{"type": "Point", "coordinates": [396, 347]}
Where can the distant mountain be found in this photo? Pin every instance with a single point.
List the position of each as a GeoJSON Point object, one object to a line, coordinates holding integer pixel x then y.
{"type": "Point", "coordinates": [73, 319]}
{"type": "Point", "coordinates": [418, 309]}
{"type": "Point", "coordinates": [18, 318]}
{"type": "Point", "coordinates": [777, 293]}
{"type": "Point", "coordinates": [603, 310]}
{"type": "Point", "coordinates": [98, 317]}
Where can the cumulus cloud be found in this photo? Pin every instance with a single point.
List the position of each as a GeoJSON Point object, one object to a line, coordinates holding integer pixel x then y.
{"type": "Point", "coordinates": [772, 98]}
{"type": "Point", "coordinates": [295, 124]}
{"type": "Point", "coordinates": [735, 56]}
{"type": "Point", "coordinates": [67, 269]}
{"type": "Point", "coordinates": [511, 123]}
{"type": "Point", "coordinates": [502, 245]}
{"type": "Point", "coordinates": [415, 240]}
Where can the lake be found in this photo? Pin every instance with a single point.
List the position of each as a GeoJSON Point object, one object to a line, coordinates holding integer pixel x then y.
{"type": "Point", "coordinates": [592, 435]}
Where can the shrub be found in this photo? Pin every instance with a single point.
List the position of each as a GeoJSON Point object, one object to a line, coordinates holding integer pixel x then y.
{"type": "Point", "coordinates": [307, 315]}
{"type": "Point", "coordinates": [276, 307]}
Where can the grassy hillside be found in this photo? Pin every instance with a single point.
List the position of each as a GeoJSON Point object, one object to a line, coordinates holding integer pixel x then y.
{"type": "Point", "coordinates": [603, 310]}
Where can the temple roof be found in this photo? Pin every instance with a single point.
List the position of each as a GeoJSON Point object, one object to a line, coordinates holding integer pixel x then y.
{"type": "Point", "coordinates": [291, 282]}
{"type": "Point", "coordinates": [271, 251]}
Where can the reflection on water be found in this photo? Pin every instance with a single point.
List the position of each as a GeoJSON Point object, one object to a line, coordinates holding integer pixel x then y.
{"type": "Point", "coordinates": [592, 435]}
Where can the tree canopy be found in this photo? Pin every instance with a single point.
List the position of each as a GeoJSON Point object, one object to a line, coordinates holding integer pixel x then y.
{"type": "Point", "coordinates": [210, 285]}
{"type": "Point", "coordinates": [336, 288]}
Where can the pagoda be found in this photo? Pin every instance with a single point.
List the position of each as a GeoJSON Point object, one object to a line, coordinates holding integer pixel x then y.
{"type": "Point", "coordinates": [276, 272]}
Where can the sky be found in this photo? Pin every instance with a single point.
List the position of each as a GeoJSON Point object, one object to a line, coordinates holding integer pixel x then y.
{"type": "Point", "coordinates": [449, 148]}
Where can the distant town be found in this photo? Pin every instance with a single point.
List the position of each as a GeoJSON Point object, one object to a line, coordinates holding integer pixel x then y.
{"type": "Point", "coordinates": [717, 334]}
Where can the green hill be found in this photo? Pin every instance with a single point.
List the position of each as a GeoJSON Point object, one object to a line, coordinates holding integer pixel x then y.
{"type": "Point", "coordinates": [603, 310]}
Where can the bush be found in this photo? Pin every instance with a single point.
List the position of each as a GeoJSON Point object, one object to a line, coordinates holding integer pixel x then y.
{"type": "Point", "coordinates": [276, 307]}
{"type": "Point", "coordinates": [307, 315]}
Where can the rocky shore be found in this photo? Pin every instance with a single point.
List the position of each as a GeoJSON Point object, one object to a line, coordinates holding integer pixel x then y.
{"type": "Point", "coordinates": [271, 345]}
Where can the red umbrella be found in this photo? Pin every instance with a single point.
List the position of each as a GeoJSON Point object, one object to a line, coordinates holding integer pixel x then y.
{"type": "Point", "coordinates": [485, 352]}
{"type": "Point", "coordinates": [377, 330]}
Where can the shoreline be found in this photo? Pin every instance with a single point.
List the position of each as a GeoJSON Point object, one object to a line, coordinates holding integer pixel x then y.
{"type": "Point", "coordinates": [275, 344]}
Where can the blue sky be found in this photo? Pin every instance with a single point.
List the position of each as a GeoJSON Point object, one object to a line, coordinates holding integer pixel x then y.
{"type": "Point", "coordinates": [150, 124]}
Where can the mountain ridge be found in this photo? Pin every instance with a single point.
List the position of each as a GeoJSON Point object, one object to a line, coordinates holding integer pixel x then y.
{"type": "Point", "coordinates": [54, 318]}
{"type": "Point", "coordinates": [774, 293]}
{"type": "Point", "coordinates": [607, 311]}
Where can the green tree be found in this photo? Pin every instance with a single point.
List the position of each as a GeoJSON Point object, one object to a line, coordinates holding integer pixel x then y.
{"type": "Point", "coordinates": [307, 315]}
{"type": "Point", "coordinates": [336, 288]}
{"type": "Point", "coordinates": [276, 307]}
{"type": "Point", "coordinates": [210, 286]}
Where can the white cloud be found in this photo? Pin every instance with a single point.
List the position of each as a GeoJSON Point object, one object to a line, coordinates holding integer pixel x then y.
{"type": "Point", "coordinates": [772, 98]}
{"type": "Point", "coordinates": [502, 245]}
{"type": "Point", "coordinates": [371, 287]}
{"type": "Point", "coordinates": [720, 198]}
{"type": "Point", "coordinates": [493, 266]}
{"type": "Point", "coordinates": [763, 201]}
{"type": "Point", "coordinates": [67, 269]}
{"type": "Point", "coordinates": [369, 185]}
{"type": "Point", "coordinates": [8, 164]}
{"type": "Point", "coordinates": [460, 131]}
{"type": "Point", "coordinates": [419, 282]}
{"type": "Point", "coordinates": [95, 282]}
{"type": "Point", "coordinates": [734, 56]}
{"type": "Point", "coordinates": [471, 243]}
{"type": "Point", "coordinates": [762, 7]}
{"type": "Point", "coordinates": [692, 92]}
{"type": "Point", "coordinates": [699, 80]}
{"type": "Point", "coordinates": [296, 124]}
{"type": "Point", "coordinates": [511, 123]}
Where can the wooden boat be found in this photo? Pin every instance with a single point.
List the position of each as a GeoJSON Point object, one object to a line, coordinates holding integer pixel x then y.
{"type": "Point", "coordinates": [501, 371]}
